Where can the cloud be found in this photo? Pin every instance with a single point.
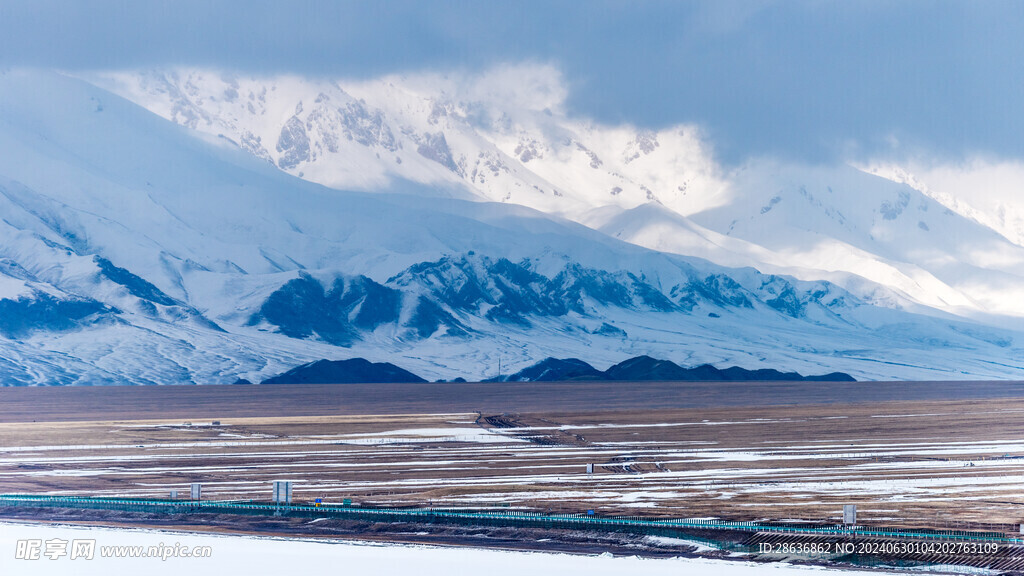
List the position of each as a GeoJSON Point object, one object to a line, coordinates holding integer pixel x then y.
{"type": "Point", "coordinates": [812, 80]}
{"type": "Point", "coordinates": [506, 88]}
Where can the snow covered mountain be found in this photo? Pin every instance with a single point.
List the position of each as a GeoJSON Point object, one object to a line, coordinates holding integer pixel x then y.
{"type": "Point", "coordinates": [504, 137]}
{"type": "Point", "coordinates": [134, 250]}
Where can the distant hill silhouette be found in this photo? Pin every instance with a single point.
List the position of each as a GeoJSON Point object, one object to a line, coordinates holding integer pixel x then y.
{"type": "Point", "coordinates": [555, 370]}
{"type": "Point", "coordinates": [353, 371]}
{"type": "Point", "coordinates": [645, 368]}
{"type": "Point", "coordinates": [640, 368]}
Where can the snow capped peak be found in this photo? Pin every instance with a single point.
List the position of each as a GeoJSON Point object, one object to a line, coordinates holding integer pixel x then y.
{"type": "Point", "coordinates": [502, 135]}
{"type": "Point", "coordinates": [987, 192]}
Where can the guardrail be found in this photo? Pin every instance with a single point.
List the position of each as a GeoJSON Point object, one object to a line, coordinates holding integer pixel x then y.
{"type": "Point", "coordinates": [634, 523]}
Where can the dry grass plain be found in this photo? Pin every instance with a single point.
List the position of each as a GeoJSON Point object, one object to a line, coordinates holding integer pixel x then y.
{"type": "Point", "coordinates": [933, 463]}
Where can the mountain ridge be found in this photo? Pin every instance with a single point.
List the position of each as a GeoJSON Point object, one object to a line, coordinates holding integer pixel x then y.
{"type": "Point", "coordinates": [209, 265]}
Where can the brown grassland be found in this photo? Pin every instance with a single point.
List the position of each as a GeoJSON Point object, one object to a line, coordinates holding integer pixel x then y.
{"type": "Point", "coordinates": [954, 462]}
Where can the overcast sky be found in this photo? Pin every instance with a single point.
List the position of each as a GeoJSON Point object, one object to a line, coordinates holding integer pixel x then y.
{"type": "Point", "coordinates": [811, 80]}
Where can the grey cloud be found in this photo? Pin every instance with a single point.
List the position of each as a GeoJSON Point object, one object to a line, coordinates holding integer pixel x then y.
{"type": "Point", "coordinates": [806, 79]}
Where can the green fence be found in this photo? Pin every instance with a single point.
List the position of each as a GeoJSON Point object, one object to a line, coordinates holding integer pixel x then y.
{"type": "Point", "coordinates": [501, 518]}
